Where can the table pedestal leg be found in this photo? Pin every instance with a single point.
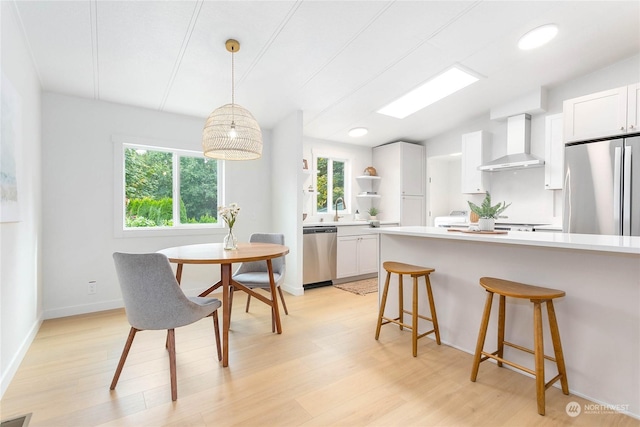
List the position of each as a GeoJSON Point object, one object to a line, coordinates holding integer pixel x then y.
{"type": "Point", "coordinates": [274, 297]}
{"type": "Point", "coordinates": [225, 270]}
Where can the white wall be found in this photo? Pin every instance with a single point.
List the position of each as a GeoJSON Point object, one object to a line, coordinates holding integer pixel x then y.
{"type": "Point", "coordinates": [525, 188]}
{"type": "Point", "coordinates": [20, 242]}
{"type": "Point", "coordinates": [286, 201]}
{"type": "Point", "coordinates": [78, 199]}
{"type": "Point", "coordinates": [359, 157]}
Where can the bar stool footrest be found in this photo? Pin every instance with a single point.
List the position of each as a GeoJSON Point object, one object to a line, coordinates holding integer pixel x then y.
{"type": "Point", "coordinates": [552, 381]}
{"type": "Point", "coordinates": [527, 350]}
{"type": "Point", "coordinates": [419, 315]}
{"type": "Point", "coordinates": [386, 321]}
{"type": "Point", "coordinates": [425, 334]}
{"type": "Point", "coordinates": [508, 362]}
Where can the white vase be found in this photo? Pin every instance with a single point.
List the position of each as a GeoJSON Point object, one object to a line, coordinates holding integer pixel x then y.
{"type": "Point", "coordinates": [373, 217]}
{"type": "Point", "coordinates": [486, 224]}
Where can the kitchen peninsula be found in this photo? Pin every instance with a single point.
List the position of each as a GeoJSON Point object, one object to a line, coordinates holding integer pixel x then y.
{"type": "Point", "coordinates": [599, 318]}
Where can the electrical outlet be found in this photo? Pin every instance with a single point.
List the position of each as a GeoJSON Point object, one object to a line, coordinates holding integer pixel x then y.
{"type": "Point", "coordinates": [91, 289]}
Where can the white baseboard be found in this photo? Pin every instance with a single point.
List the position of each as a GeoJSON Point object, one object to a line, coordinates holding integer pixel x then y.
{"type": "Point", "coordinates": [82, 309]}
{"type": "Point", "coordinates": [11, 370]}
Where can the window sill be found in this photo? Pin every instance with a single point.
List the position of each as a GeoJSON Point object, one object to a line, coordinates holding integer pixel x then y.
{"type": "Point", "coordinates": [173, 231]}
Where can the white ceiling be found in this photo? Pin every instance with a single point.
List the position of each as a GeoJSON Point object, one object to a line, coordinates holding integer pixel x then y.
{"type": "Point", "coordinates": [337, 61]}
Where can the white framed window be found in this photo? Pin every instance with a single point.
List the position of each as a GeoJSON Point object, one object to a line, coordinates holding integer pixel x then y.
{"type": "Point", "coordinates": [161, 190]}
{"type": "Point", "coordinates": [332, 182]}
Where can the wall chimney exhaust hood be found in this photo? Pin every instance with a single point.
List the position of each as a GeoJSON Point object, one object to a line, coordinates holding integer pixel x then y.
{"type": "Point", "coordinates": [518, 146]}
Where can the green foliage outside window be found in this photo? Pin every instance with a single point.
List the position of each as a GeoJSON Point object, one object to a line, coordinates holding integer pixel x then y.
{"type": "Point", "coordinates": [149, 189]}
{"type": "Point", "coordinates": [322, 184]}
{"type": "Point", "coordinates": [334, 169]}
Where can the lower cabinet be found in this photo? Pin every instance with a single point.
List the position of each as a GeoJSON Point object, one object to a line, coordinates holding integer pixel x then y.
{"type": "Point", "coordinates": [357, 254]}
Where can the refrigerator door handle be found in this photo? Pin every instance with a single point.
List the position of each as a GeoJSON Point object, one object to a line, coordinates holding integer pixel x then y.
{"type": "Point", "coordinates": [626, 192]}
{"type": "Point", "coordinates": [617, 189]}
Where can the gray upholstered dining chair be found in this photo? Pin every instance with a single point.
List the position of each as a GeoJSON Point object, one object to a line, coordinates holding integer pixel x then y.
{"type": "Point", "coordinates": [153, 300]}
{"type": "Point", "coordinates": [255, 275]}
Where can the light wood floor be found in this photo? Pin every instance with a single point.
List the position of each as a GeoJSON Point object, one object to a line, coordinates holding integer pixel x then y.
{"type": "Point", "coordinates": [325, 369]}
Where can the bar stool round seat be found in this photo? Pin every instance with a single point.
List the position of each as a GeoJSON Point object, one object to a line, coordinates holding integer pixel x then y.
{"type": "Point", "coordinates": [415, 272]}
{"type": "Point", "coordinates": [537, 295]}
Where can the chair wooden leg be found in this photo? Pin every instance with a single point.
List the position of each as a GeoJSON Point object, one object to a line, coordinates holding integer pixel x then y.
{"type": "Point", "coordinates": [432, 307]}
{"type": "Point", "coordinates": [501, 320]}
{"type": "Point", "coordinates": [216, 327]}
{"type": "Point", "coordinates": [172, 364]}
{"type": "Point", "coordinates": [273, 320]}
{"type": "Point", "coordinates": [414, 317]}
{"type": "Point", "coordinates": [123, 357]}
{"type": "Point", "coordinates": [481, 336]}
{"type": "Point", "coordinates": [400, 301]}
{"type": "Point", "coordinates": [557, 346]}
{"type": "Point", "coordinates": [383, 303]}
{"type": "Point", "coordinates": [248, 302]}
{"type": "Point", "coordinates": [231, 292]}
{"type": "Point", "coordinates": [284, 305]}
{"type": "Point", "coordinates": [538, 354]}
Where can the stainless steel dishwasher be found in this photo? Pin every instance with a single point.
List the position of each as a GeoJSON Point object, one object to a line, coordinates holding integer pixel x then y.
{"type": "Point", "coordinates": [319, 255]}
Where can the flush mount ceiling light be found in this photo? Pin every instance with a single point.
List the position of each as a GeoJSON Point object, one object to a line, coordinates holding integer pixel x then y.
{"type": "Point", "coordinates": [231, 132]}
{"type": "Point", "coordinates": [434, 90]}
{"type": "Point", "coordinates": [356, 132]}
{"type": "Point", "coordinates": [538, 37]}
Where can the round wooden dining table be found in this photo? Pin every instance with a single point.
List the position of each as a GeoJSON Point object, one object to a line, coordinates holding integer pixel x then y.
{"type": "Point", "coordinates": [214, 253]}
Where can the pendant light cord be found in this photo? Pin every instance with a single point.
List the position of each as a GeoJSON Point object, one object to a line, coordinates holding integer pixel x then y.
{"type": "Point", "coordinates": [233, 79]}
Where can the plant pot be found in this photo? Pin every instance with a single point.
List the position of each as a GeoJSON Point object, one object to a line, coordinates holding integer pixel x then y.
{"type": "Point", "coordinates": [373, 217]}
{"type": "Point", "coordinates": [486, 224]}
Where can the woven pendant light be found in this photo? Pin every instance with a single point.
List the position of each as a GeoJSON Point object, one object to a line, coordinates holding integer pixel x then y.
{"type": "Point", "coordinates": [231, 132]}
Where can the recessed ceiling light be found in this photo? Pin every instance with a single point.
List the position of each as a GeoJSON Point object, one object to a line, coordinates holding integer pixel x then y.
{"type": "Point", "coordinates": [356, 132]}
{"type": "Point", "coordinates": [538, 37]}
{"type": "Point", "coordinates": [434, 90]}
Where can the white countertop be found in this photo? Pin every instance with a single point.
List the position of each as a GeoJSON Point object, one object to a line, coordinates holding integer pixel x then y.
{"type": "Point", "coordinates": [341, 223]}
{"type": "Point", "coordinates": [590, 242]}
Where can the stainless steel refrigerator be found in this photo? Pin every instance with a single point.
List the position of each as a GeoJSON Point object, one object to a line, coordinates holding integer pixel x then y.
{"type": "Point", "coordinates": [602, 187]}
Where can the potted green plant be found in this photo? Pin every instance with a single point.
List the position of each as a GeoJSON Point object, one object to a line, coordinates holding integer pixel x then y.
{"type": "Point", "coordinates": [487, 213]}
{"type": "Point", "coordinates": [373, 212]}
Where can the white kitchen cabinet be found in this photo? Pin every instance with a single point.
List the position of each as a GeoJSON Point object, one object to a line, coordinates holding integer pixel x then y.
{"type": "Point", "coordinates": [602, 114]}
{"type": "Point", "coordinates": [357, 255]}
{"type": "Point", "coordinates": [476, 150]}
{"type": "Point", "coordinates": [412, 210]}
{"type": "Point", "coordinates": [633, 108]}
{"type": "Point", "coordinates": [347, 262]}
{"type": "Point", "coordinates": [554, 153]}
{"type": "Point", "coordinates": [401, 166]}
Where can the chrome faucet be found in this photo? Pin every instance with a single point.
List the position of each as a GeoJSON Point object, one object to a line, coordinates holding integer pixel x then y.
{"type": "Point", "coordinates": [344, 206]}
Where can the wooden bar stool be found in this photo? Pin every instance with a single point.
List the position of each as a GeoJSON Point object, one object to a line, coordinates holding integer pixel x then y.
{"type": "Point", "coordinates": [537, 295]}
{"type": "Point", "coordinates": [415, 272]}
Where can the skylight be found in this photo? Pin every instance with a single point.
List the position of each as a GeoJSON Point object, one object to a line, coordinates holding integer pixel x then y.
{"type": "Point", "coordinates": [432, 91]}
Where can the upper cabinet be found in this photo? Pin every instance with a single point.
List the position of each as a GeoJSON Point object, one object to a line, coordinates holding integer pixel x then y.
{"type": "Point", "coordinates": [554, 153]}
{"type": "Point", "coordinates": [412, 170]}
{"type": "Point", "coordinates": [401, 165]}
{"type": "Point", "coordinates": [476, 150]}
{"type": "Point", "coordinates": [607, 113]}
